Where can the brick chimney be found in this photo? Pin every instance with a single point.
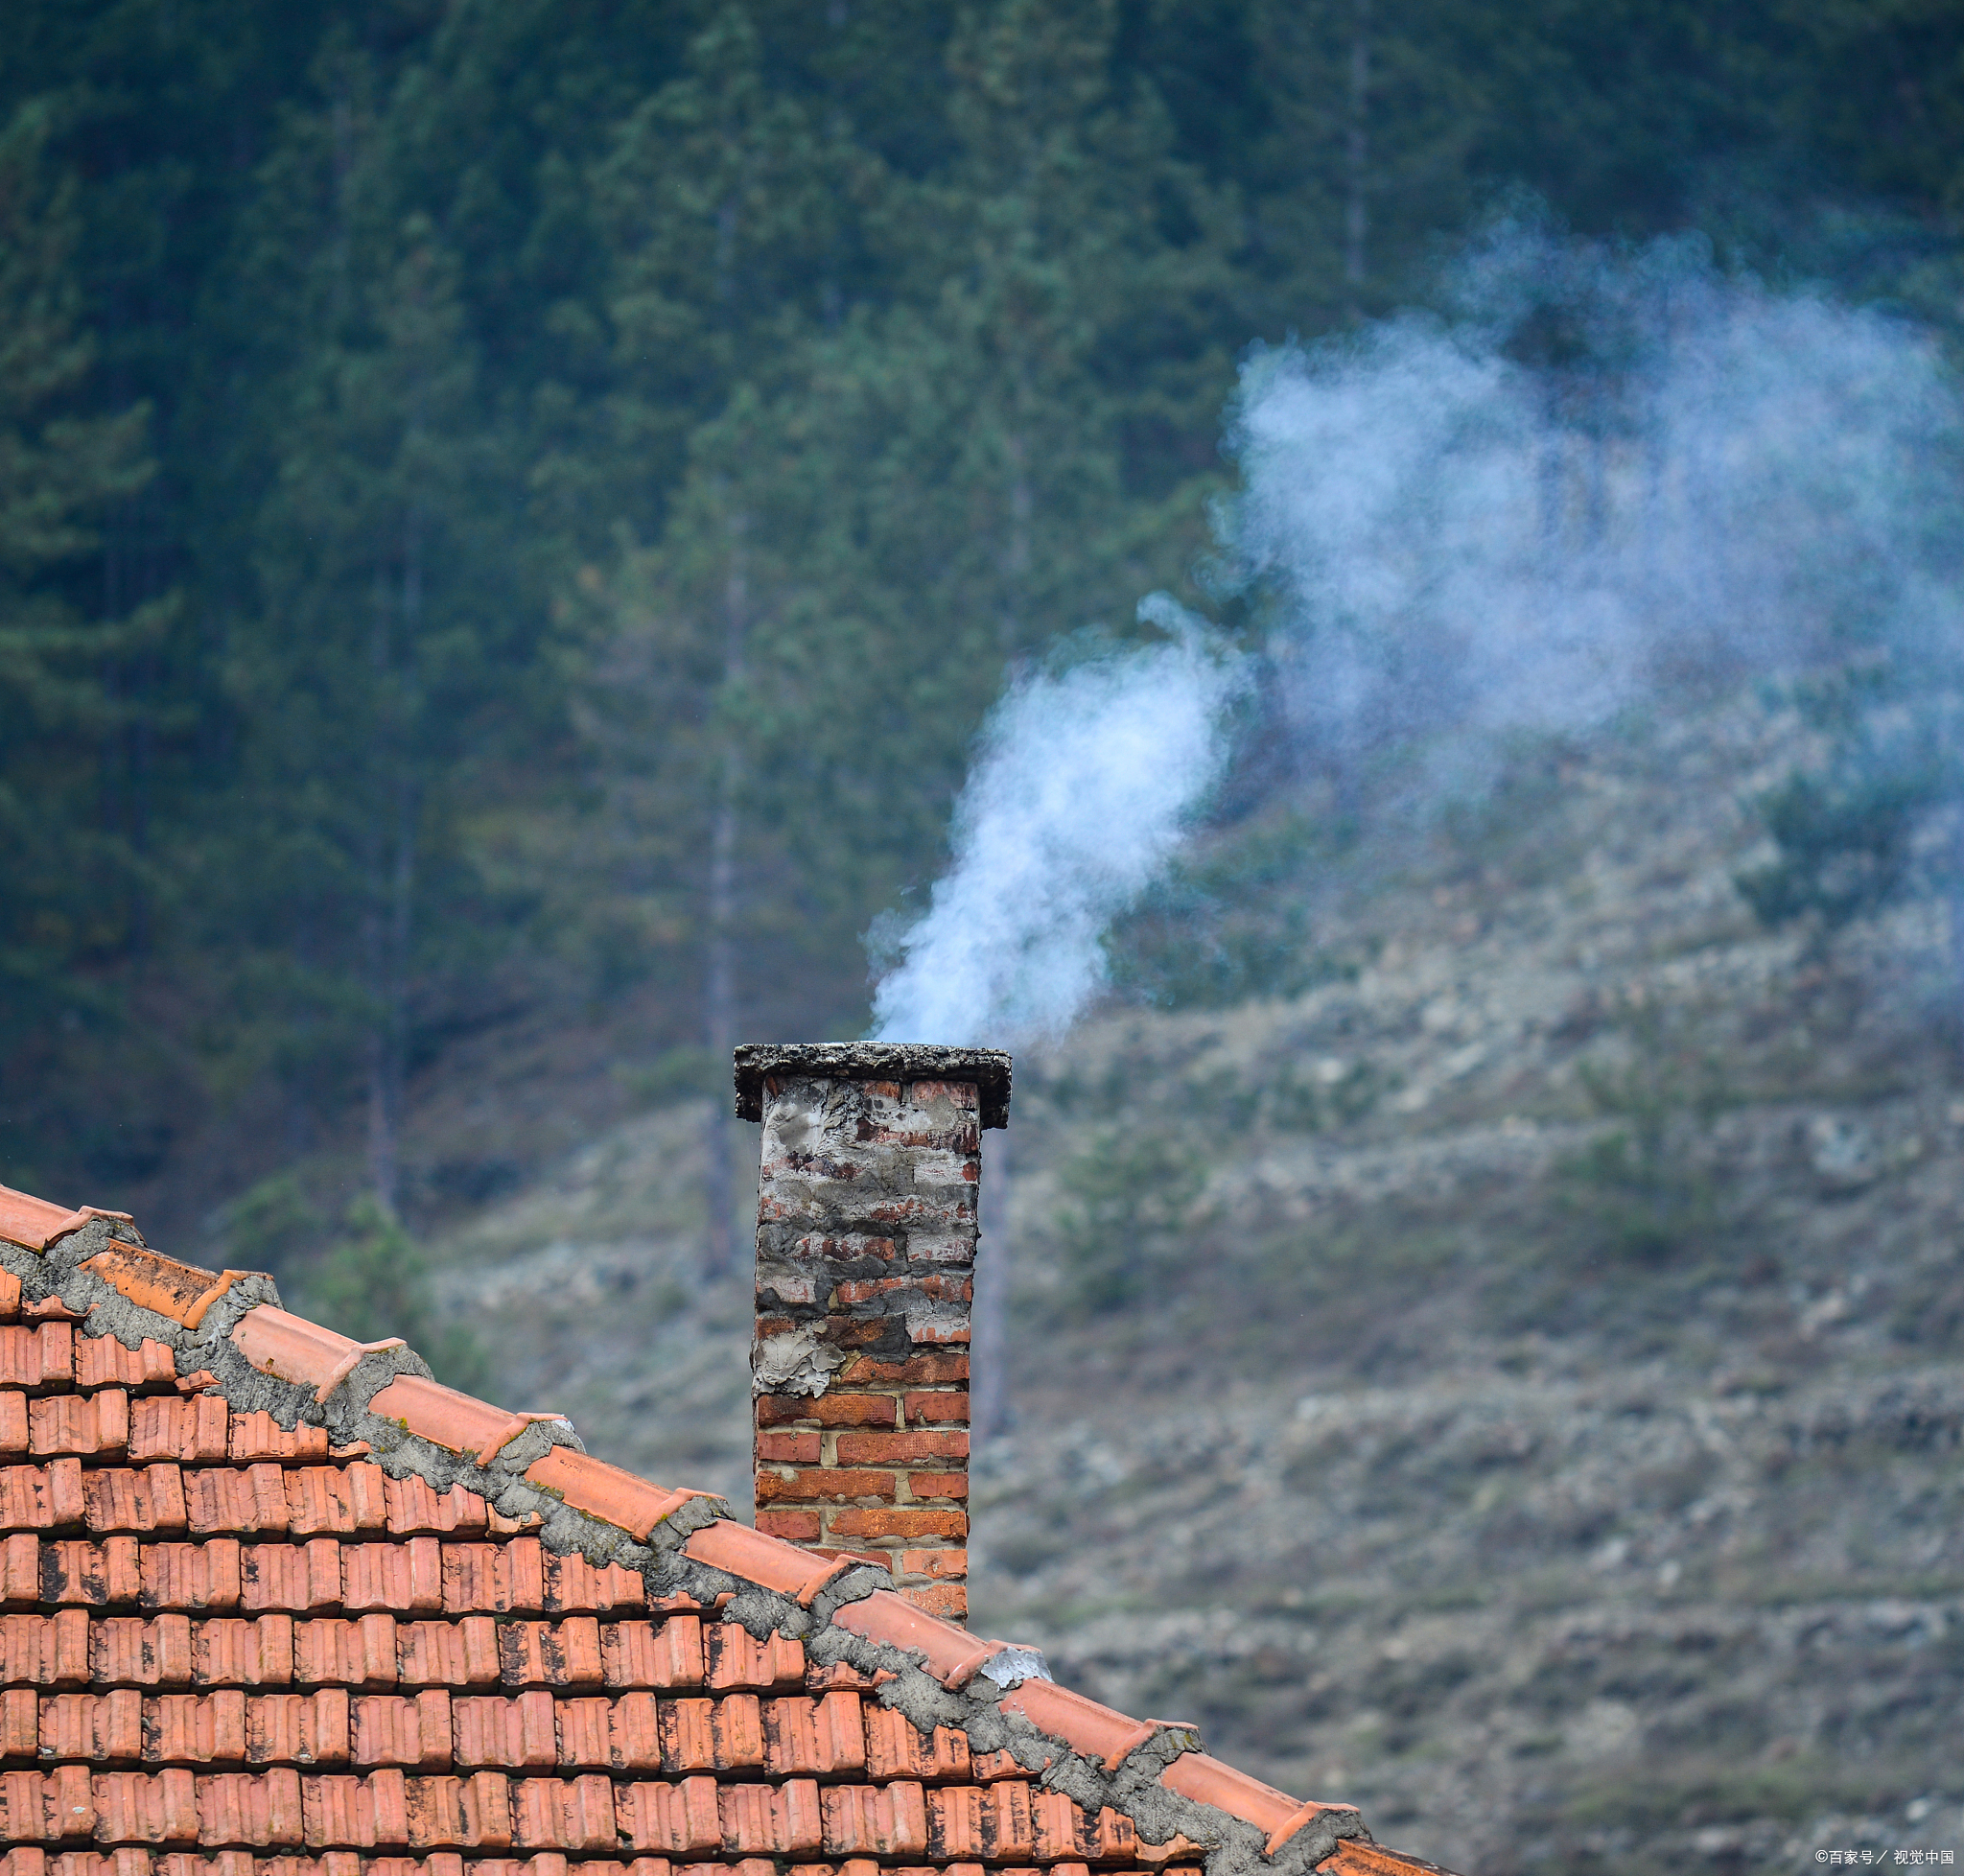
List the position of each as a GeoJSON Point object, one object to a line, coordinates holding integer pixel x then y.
{"type": "Point", "coordinates": [866, 1228]}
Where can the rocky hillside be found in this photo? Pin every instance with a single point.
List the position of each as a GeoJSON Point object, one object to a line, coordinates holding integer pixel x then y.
{"type": "Point", "coordinates": [1516, 1384]}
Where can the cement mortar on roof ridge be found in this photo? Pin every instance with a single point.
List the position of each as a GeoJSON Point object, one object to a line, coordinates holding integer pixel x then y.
{"type": "Point", "coordinates": [1233, 1846]}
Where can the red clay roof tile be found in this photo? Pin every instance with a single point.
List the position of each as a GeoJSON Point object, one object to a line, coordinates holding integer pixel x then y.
{"type": "Point", "coordinates": [605, 1491]}
{"type": "Point", "coordinates": [727, 1545]}
{"type": "Point", "coordinates": [183, 1292]}
{"type": "Point", "coordinates": [291, 1349]}
{"type": "Point", "coordinates": [1093, 1730]}
{"type": "Point", "coordinates": [950, 1655]}
{"type": "Point", "coordinates": [317, 1660]}
{"type": "Point", "coordinates": [36, 1224]}
{"type": "Point", "coordinates": [453, 1420]}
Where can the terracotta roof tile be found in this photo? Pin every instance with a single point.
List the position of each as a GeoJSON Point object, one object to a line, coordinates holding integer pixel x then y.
{"type": "Point", "coordinates": [605, 1491]}
{"type": "Point", "coordinates": [183, 1292]}
{"type": "Point", "coordinates": [389, 1629]}
{"type": "Point", "coordinates": [727, 1545]}
{"type": "Point", "coordinates": [36, 1224]}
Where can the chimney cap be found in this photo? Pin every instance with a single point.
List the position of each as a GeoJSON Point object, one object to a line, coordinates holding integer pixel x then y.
{"type": "Point", "coordinates": [987, 1067]}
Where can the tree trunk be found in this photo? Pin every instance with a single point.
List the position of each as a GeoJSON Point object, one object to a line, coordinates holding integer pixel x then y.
{"type": "Point", "coordinates": [719, 971]}
{"type": "Point", "coordinates": [1357, 159]}
{"type": "Point", "coordinates": [387, 923]}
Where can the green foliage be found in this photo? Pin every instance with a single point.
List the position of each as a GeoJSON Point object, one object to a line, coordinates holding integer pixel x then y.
{"type": "Point", "coordinates": [1126, 1218]}
{"type": "Point", "coordinates": [69, 878]}
{"type": "Point", "coordinates": [1844, 826]}
{"type": "Point", "coordinates": [1844, 846]}
{"type": "Point", "coordinates": [375, 1284]}
{"type": "Point", "coordinates": [1642, 1190]}
{"type": "Point", "coordinates": [606, 457]}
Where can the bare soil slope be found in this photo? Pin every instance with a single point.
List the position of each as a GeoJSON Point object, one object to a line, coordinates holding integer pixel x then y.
{"type": "Point", "coordinates": [1517, 1385]}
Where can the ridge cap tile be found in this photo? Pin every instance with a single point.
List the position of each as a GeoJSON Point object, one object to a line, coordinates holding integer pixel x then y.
{"type": "Point", "coordinates": [1087, 1725]}
{"type": "Point", "coordinates": [289, 1348]}
{"type": "Point", "coordinates": [446, 1417]}
{"type": "Point", "coordinates": [35, 1224]}
{"type": "Point", "coordinates": [607, 1492]}
{"type": "Point", "coordinates": [726, 1544]}
{"type": "Point", "coordinates": [168, 1286]}
{"type": "Point", "coordinates": [951, 1654]}
{"type": "Point", "coordinates": [1208, 1780]}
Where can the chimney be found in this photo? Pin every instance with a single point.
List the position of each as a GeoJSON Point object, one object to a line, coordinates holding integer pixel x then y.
{"type": "Point", "coordinates": [866, 1228]}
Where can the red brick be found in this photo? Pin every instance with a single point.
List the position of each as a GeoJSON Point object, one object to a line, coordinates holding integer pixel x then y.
{"type": "Point", "coordinates": [836, 1409]}
{"type": "Point", "coordinates": [938, 1484]}
{"type": "Point", "coordinates": [789, 1448]}
{"type": "Point", "coordinates": [940, 1564]}
{"type": "Point", "coordinates": [898, 1522]}
{"type": "Point", "coordinates": [947, 1600]}
{"type": "Point", "coordinates": [795, 1527]}
{"type": "Point", "coordinates": [942, 1406]}
{"type": "Point", "coordinates": [900, 1448]}
{"type": "Point", "coordinates": [824, 1485]}
{"type": "Point", "coordinates": [917, 1370]}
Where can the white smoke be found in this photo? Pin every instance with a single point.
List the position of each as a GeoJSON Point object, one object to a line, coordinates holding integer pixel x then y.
{"type": "Point", "coordinates": [1085, 783]}
{"type": "Point", "coordinates": [1611, 475]}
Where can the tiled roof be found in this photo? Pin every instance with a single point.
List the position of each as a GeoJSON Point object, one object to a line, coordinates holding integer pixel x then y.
{"type": "Point", "coordinates": [273, 1602]}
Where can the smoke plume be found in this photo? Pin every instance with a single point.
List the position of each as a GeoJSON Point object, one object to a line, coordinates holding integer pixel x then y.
{"type": "Point", "coordinates": [1610, 476]}
{"type": "Point", "coordinates": [1599, 479]}
{"type": "Point", "coordinates": [1085, 783]}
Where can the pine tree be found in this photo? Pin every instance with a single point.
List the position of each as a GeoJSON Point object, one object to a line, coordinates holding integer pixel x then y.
{"type": "Point", "coordinates": [381, 644]}
{"type": "Point", "coordinates": [70, 879]}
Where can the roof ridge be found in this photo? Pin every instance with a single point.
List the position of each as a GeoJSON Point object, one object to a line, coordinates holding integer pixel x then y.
{"type": "Point", "coordinates": [261, 1357]}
